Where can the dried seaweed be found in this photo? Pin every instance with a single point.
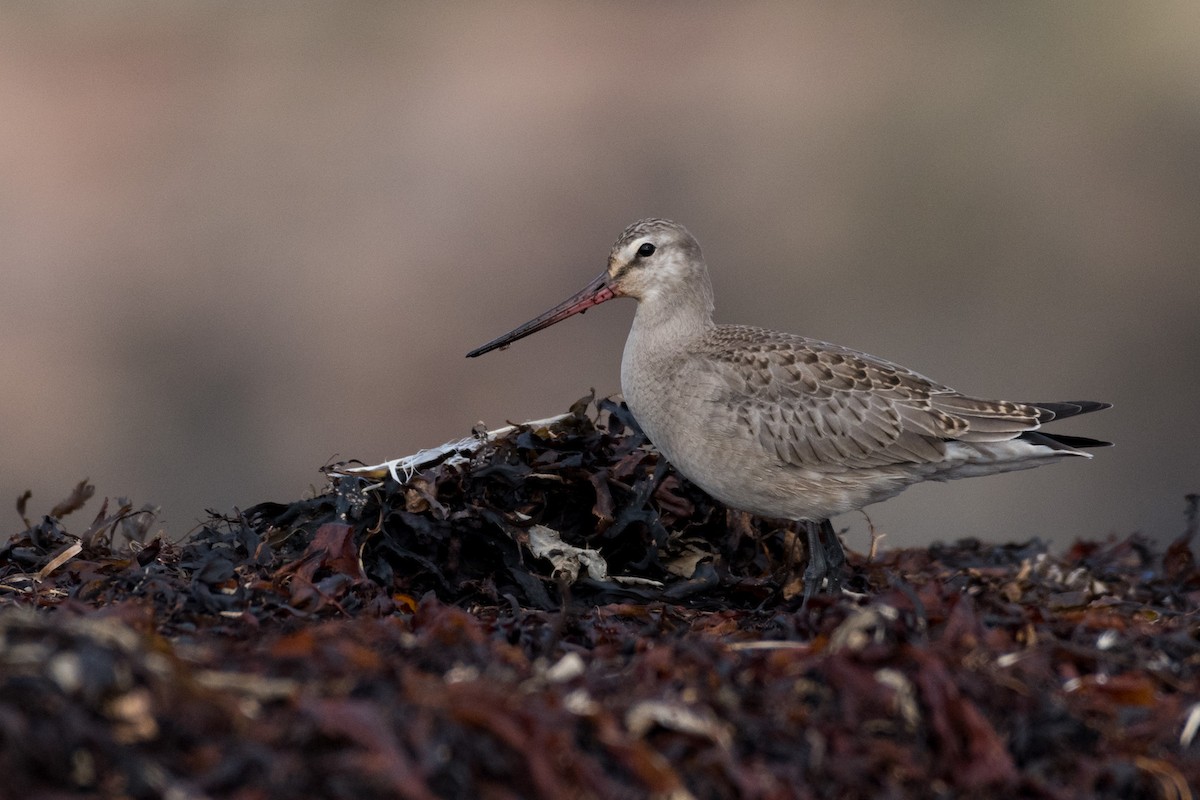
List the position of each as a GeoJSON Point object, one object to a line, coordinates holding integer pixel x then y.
{"type": "Point", "coordinates": [553, 612]}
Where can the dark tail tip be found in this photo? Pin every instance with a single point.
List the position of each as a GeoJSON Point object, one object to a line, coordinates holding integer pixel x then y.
{"type": "Point", "coordinates": [1060, 441]}
{"type": "Point", "coordinates": [1072, 408]}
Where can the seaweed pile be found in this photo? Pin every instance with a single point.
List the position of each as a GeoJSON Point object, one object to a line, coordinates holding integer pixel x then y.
{"type": "Point", "coordinates": [555, 614]}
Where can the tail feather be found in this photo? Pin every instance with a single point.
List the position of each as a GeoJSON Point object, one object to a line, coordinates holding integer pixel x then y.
{"type": "Point", "coordinates": [1060, 441]}
{"type": "Point", "coordinates": [1072, 408]}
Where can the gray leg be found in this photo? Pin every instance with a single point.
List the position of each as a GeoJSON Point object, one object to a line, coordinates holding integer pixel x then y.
{"type": "Point", "coordinates": [835, 556]}
{"type": "Point", "coordinates": [818, 565]}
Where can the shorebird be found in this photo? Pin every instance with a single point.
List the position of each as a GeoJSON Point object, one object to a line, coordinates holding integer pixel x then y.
{"type": "Point", "coordinates": [785, 426]}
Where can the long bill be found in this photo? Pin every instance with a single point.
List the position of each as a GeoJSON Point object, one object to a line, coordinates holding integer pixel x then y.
{"type": "Point", "coordinates": [595, 293]}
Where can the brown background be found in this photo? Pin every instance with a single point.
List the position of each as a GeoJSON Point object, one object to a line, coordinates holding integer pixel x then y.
{"type": "Point", "coordinates": [237, 241]}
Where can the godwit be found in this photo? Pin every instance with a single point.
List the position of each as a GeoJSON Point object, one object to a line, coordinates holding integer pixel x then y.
{"type": "Point", "coordinates": [785, 426]}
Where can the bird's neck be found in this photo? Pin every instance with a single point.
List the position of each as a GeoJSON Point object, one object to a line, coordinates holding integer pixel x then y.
{"type": "Point", "coordinates": [666, 322]}
{"type": "Point", "coordinates": [664, 329]}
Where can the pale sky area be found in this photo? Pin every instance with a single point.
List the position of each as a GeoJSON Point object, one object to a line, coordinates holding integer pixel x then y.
{"type": "Point", "coordinates": [239, 241]}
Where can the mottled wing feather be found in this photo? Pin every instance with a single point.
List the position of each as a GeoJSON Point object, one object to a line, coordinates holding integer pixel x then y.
{"type": "Point", "coordinates": [819, 405]}
{"type": "Point", "coordinates": [991, 420]}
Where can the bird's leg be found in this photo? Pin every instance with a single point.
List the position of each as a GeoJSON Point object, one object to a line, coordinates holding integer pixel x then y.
{"type": "Point", "coordinates": [835, 556]}
{"type": "Point", "coordinates": [818, 564]}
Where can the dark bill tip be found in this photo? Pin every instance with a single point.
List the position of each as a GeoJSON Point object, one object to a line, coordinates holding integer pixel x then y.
{"type": "Point", "coordinates": [595, 293]}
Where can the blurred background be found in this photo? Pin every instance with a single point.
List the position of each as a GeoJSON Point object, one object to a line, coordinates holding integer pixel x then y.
{"type": "Point", "coordinates": [240, 240]}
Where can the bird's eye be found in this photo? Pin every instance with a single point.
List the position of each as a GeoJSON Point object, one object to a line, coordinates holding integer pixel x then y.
{"type": "Point", "coordinates": [645, 250]}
